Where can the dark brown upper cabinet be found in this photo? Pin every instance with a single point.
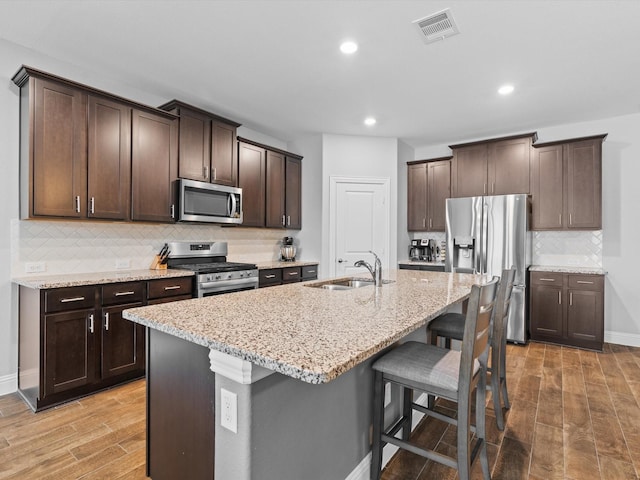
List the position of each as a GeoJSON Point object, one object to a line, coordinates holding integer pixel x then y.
{"type": "Point", "coordinates": [76, 151]}
{"type": "Point", "coordinates": [207, 150]}
{"type": "Point", "coordinates": [429, 185]}
{"type": "Point", "coordinates": [492, 167]}
{"type": "Point", "coordinates": [271, 182]}
{"type": "Point", "coordinates": [252, 180]}
{"type": "Point", "coordinates": [567, 184]}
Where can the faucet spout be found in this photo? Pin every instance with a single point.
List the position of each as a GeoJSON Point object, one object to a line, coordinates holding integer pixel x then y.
{"type": "Point", "coordinates": [376, 271]}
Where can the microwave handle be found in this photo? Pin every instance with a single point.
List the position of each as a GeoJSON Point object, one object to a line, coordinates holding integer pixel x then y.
{"type": "Point", "coordinates": [231, 204]}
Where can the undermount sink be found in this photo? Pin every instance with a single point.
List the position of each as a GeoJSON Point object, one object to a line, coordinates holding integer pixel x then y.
{"type": "Point", "coordinates": [344, 283]}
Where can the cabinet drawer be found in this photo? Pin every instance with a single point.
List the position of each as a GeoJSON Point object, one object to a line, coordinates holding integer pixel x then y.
{"type": "Point", "coordinates": [169, 287]}
{"type": "Point", "coordinates": [119, 293]}
{"type": "Point", "coordinates": [310, 272]}
{"type": "Point", "coordinates": [270, 276]}
{"type": "Point", "coordinates": [71, 298]}
{"type": "Point", "coordinates": [587, 282]}
{"type": "Point", "coordinates": [291, 274]}
{"type": "Point", "coordinates": [546, 278]}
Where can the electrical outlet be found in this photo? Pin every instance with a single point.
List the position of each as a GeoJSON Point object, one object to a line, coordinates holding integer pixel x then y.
{"type": "Point", "coordinates": [35, 267]}
{"type": "Point", "coordinates": [229, 410]}
{"type": "Point", "coordinates": [387, 394]}
{"type": "Point", "coordinates": [122, 263]}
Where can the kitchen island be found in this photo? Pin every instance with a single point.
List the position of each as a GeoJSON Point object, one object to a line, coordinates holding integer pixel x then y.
{"type": "Point", "coordinates": [295, 363]}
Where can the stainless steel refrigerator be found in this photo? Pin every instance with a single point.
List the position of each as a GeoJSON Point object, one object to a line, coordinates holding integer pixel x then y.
{"type": "Point", "coordinates": [486, 235]}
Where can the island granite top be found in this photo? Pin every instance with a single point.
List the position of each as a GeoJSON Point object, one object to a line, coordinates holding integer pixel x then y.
{"type": "Point", "coordinates": [96, 278]}
{"type": "Point", "coordinates": [310, 334]}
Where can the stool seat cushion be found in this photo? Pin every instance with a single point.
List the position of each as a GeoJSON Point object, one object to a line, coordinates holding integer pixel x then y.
{"type": "Point", "coordinates": [424, 364]}
{"type": "Point", "coordinates": [450, 325]}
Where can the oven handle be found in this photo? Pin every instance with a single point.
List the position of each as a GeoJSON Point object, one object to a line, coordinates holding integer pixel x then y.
{"type": "Point", "coordinates": [203, 287]}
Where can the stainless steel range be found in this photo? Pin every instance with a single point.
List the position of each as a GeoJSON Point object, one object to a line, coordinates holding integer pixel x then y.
{"type": "Point", "coordinates": [214, 275]}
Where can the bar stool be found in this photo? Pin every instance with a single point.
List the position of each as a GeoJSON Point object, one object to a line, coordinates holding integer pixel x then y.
{"type": "Point", "coordinates": [451, 326]}
{"type": "Point", "coordinates": [446, 373]}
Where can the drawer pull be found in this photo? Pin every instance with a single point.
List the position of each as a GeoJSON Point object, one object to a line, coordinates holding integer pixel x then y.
{"type": "Point", "coordinates": [122, 294]}
{"type": "Point", "coordinates": [585, 282]}
{"type": "Point", "coordinates": [91, 323]}
{"type": "Point", "coordinates": [559, 297]}
{"type": "Point", "coordinates": [547, 279]}
{"type": "Point", "coordinates": [172, 287]}
{"type": "Point", "coordinates": [270, 276]}
{"type": "Point", "coordinates": [291, 274]}
{"type": "Point", "coordinates": [311, 271]}
{"type": "Point", "coordinates": [571, 299]}
{"type": "Point", "coordinates": [72, 299]}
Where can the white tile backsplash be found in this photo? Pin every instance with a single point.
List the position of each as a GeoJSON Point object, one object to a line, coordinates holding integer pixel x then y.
{"type": "Point", "coordinates": [568, 248]}
{"type": "Point", "coordinates": [82, 247]}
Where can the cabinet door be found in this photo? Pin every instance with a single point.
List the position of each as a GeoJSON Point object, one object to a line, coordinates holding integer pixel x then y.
{"type": "Point", "coordinates": [417, 197]}
{"type": "Point", "coordinates": [59, 154]}
{"type": "Point", "coordinates": [469, 171]}
{"type": "Point", "coordinates": [154, 167]}
{"type": "Point", "coordinates": [584, 184]}
{"type": "Point", "coordinates": [439, 179]}
{"type": "Point", "coordinates": [293, 192]}
{"type": "Point", "coordinates": [508, 166]}
{"type": "Point", "coordinates": [69, 350]}
{"type": "Point", "coordinates": [547, 188]}
{"type": "Point", "coordinates": [585, 317]}
{"type": "Point", "coordinates": [122, 342]}
{"type": "Point", "coordinates": [224, 160]}
{"type": "Point", "coordinates": [546, 312]}
{"type": "Point", "coordinates": [275, 190]}
{"type": "Point", "coordinates": [195, 146]}
{"type": "Point", "coordinates": [109, 159]}
{"type": "Point", "coordinates": [251, 178]}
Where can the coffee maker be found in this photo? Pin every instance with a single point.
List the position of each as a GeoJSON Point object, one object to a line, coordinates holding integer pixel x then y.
{"type": "Point", "coordinates": [424, 249]}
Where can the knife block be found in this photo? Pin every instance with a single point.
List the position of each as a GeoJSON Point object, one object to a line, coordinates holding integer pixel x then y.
{"type": "Point", "coordinates": [156, 265]}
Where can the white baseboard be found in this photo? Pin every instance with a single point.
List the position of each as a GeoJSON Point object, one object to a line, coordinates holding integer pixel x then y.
{"type": "Point", "coordinates": [8, 383]}
{"type": "Point", "coordinates": [363, 470]}
{"type": "Point", "coordinates": [620, 338]}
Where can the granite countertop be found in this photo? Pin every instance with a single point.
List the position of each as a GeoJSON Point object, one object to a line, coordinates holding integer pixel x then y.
{"type": "Point", "coordinates": [279, 264]}
{"type": "Point", "coordinates": [80, 279]}
{"type": "Point", "coordinates": [311, 334]}
{"type": "Point", "coordinates": [568, 269]}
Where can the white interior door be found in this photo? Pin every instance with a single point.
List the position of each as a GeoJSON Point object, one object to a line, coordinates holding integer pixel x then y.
{"type": "Point", "coordinates": [360, 223]}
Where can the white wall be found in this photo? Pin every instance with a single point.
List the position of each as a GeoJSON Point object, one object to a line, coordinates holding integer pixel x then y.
{"type": "Point", "coordinates": [620, 218]}
{"type": "Point", "coordinates": [405, 154]}
{"type": "Point", "coordinates": [358, 156]}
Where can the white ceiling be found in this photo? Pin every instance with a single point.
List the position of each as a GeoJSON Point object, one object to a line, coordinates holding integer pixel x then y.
{"type": "Point", "coordinates": [275, 66]}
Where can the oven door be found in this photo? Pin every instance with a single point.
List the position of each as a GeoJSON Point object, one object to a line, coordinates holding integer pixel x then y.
{"type": "Point", "coordinates": [208, 289]}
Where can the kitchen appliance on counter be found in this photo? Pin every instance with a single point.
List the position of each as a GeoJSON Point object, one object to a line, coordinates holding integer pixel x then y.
{"type": "Point", "coordinates": [425, 249]}
{"type": "Point", "coordinates": [287, 250]}
{"type": "Point", "coordinates": [208, 202]}
{"type": "Point", "coordinates": [214, 275]}
{"type": "Point", "coordinates": [486, 235]}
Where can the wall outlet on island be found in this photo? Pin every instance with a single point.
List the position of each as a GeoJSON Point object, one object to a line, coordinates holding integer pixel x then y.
{"type": "Point", "coordinates": [229, 410]}
{"type": "Point", "coordinates": [122, 263]}
{"type": "Point", "coordinates": [35, 267]}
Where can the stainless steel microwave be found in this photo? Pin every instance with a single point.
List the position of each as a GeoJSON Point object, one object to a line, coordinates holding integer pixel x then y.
{"type": "Point", "coordinates": [208, 202]}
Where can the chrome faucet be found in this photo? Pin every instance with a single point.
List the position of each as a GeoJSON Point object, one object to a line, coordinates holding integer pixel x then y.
{"type": "Point", "coordinates": [376, 272]}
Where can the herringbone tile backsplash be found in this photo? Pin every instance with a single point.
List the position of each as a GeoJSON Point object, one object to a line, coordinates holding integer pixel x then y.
{"type": "Point", "coordinates": [78, 247]}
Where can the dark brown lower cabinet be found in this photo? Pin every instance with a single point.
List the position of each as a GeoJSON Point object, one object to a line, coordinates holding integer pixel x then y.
{"type": "Point", "coordinates": [567, 309]}
{"type": "Point", "coordinates": [74, 341]}
{"type": "Point", "coordinates": [282, 275]}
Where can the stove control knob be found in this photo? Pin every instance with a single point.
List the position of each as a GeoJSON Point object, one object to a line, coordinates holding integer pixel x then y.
{"type": "Point", "coordinates": [229, 276]}
{"type": "Point", "coordinates": [249, 274]}
{"type": "Point", "coordinates": [241, 274]}
{"type": "Point", "coordinates": [218, 277]}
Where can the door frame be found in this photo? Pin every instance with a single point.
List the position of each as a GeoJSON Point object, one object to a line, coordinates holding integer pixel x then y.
{"type": "Point", "coordinates": [334, 181]}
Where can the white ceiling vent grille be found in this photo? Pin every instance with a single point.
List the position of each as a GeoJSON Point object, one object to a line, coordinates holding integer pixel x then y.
{"type": "Point", "coordinates": [437, 26]}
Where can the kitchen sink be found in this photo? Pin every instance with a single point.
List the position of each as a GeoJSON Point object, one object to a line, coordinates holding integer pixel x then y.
{"type": "Point", "coordinates": [344, 283]}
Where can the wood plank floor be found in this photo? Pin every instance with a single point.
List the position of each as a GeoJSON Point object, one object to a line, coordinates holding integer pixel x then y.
{"type": "Point", "coordinates": [575, 415]}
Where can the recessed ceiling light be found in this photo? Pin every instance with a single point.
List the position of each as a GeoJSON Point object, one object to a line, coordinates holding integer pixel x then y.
{"type": "Point", "coordinates": [505, 89]}
{"type": "Point", "coordinates": [349, 47]}
{"type": "Point", "coordinates": [369, 121]}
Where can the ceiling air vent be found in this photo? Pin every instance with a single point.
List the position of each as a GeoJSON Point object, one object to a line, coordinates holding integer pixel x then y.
{"type": "Point", "coordinates": [437, 26]}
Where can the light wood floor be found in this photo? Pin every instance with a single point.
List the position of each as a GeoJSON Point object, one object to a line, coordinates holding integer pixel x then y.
{"type": "Point", "coordinates": [575, 415]}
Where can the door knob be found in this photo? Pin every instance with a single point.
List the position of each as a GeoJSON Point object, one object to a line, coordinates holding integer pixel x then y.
{"type": "Point", "coordinates": [341, 260]}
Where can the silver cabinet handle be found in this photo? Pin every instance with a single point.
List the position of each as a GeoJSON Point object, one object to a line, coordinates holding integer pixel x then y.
{"type": "Point", "coordinates": [172, 287]}
{"type": "Point", "coordinates": [215, 176]}
{"type": "Point", "coordinates": [106, 321]}
{"type": "Point", "coordinates": [173, 211]}
{"type": "Point", "coordinates": [269, 276]}
{"type": "Point", "coordinates": [585, 282]}
{"type": "Point", "coordinates": [77, 203]}
{"type": "Point", "coordinates": [91, 323]}
{"type": "Point", "coordinates": [92, 205]}
{"type": "Point", "coordinates": [484, 188]}
{"type": "Point", "coordinates": [493, 187]}
{"type": "Point", "coordinates": [292, 274]}
{"type": "Point", "coordinates": [311, 271]}
{"type": "Point", "coordinates": [72, 299]}
{"type": "Point", "coordinates": [547, 279]}
{"type": "Point", "coordinates": [570, 299]}
{"type": "Point", "coordinates": [424, 223]}
{"type": "Point", "coordinates": [430, 223]}
{"type": "Point", "coordinates": [288, 219]}
{"type": "Point", "coordinates": [560, 219]}
{"type": "Point", "coordinates": [205, 174]}
{"type": "Point", "coordinates": [570, 220]}
{"type": "Point", "coordinates": [559, 297]}
{"type": "Point", "coordinates": [122, 294]}
{"type": "Point", "coordinates": [283, 220]}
